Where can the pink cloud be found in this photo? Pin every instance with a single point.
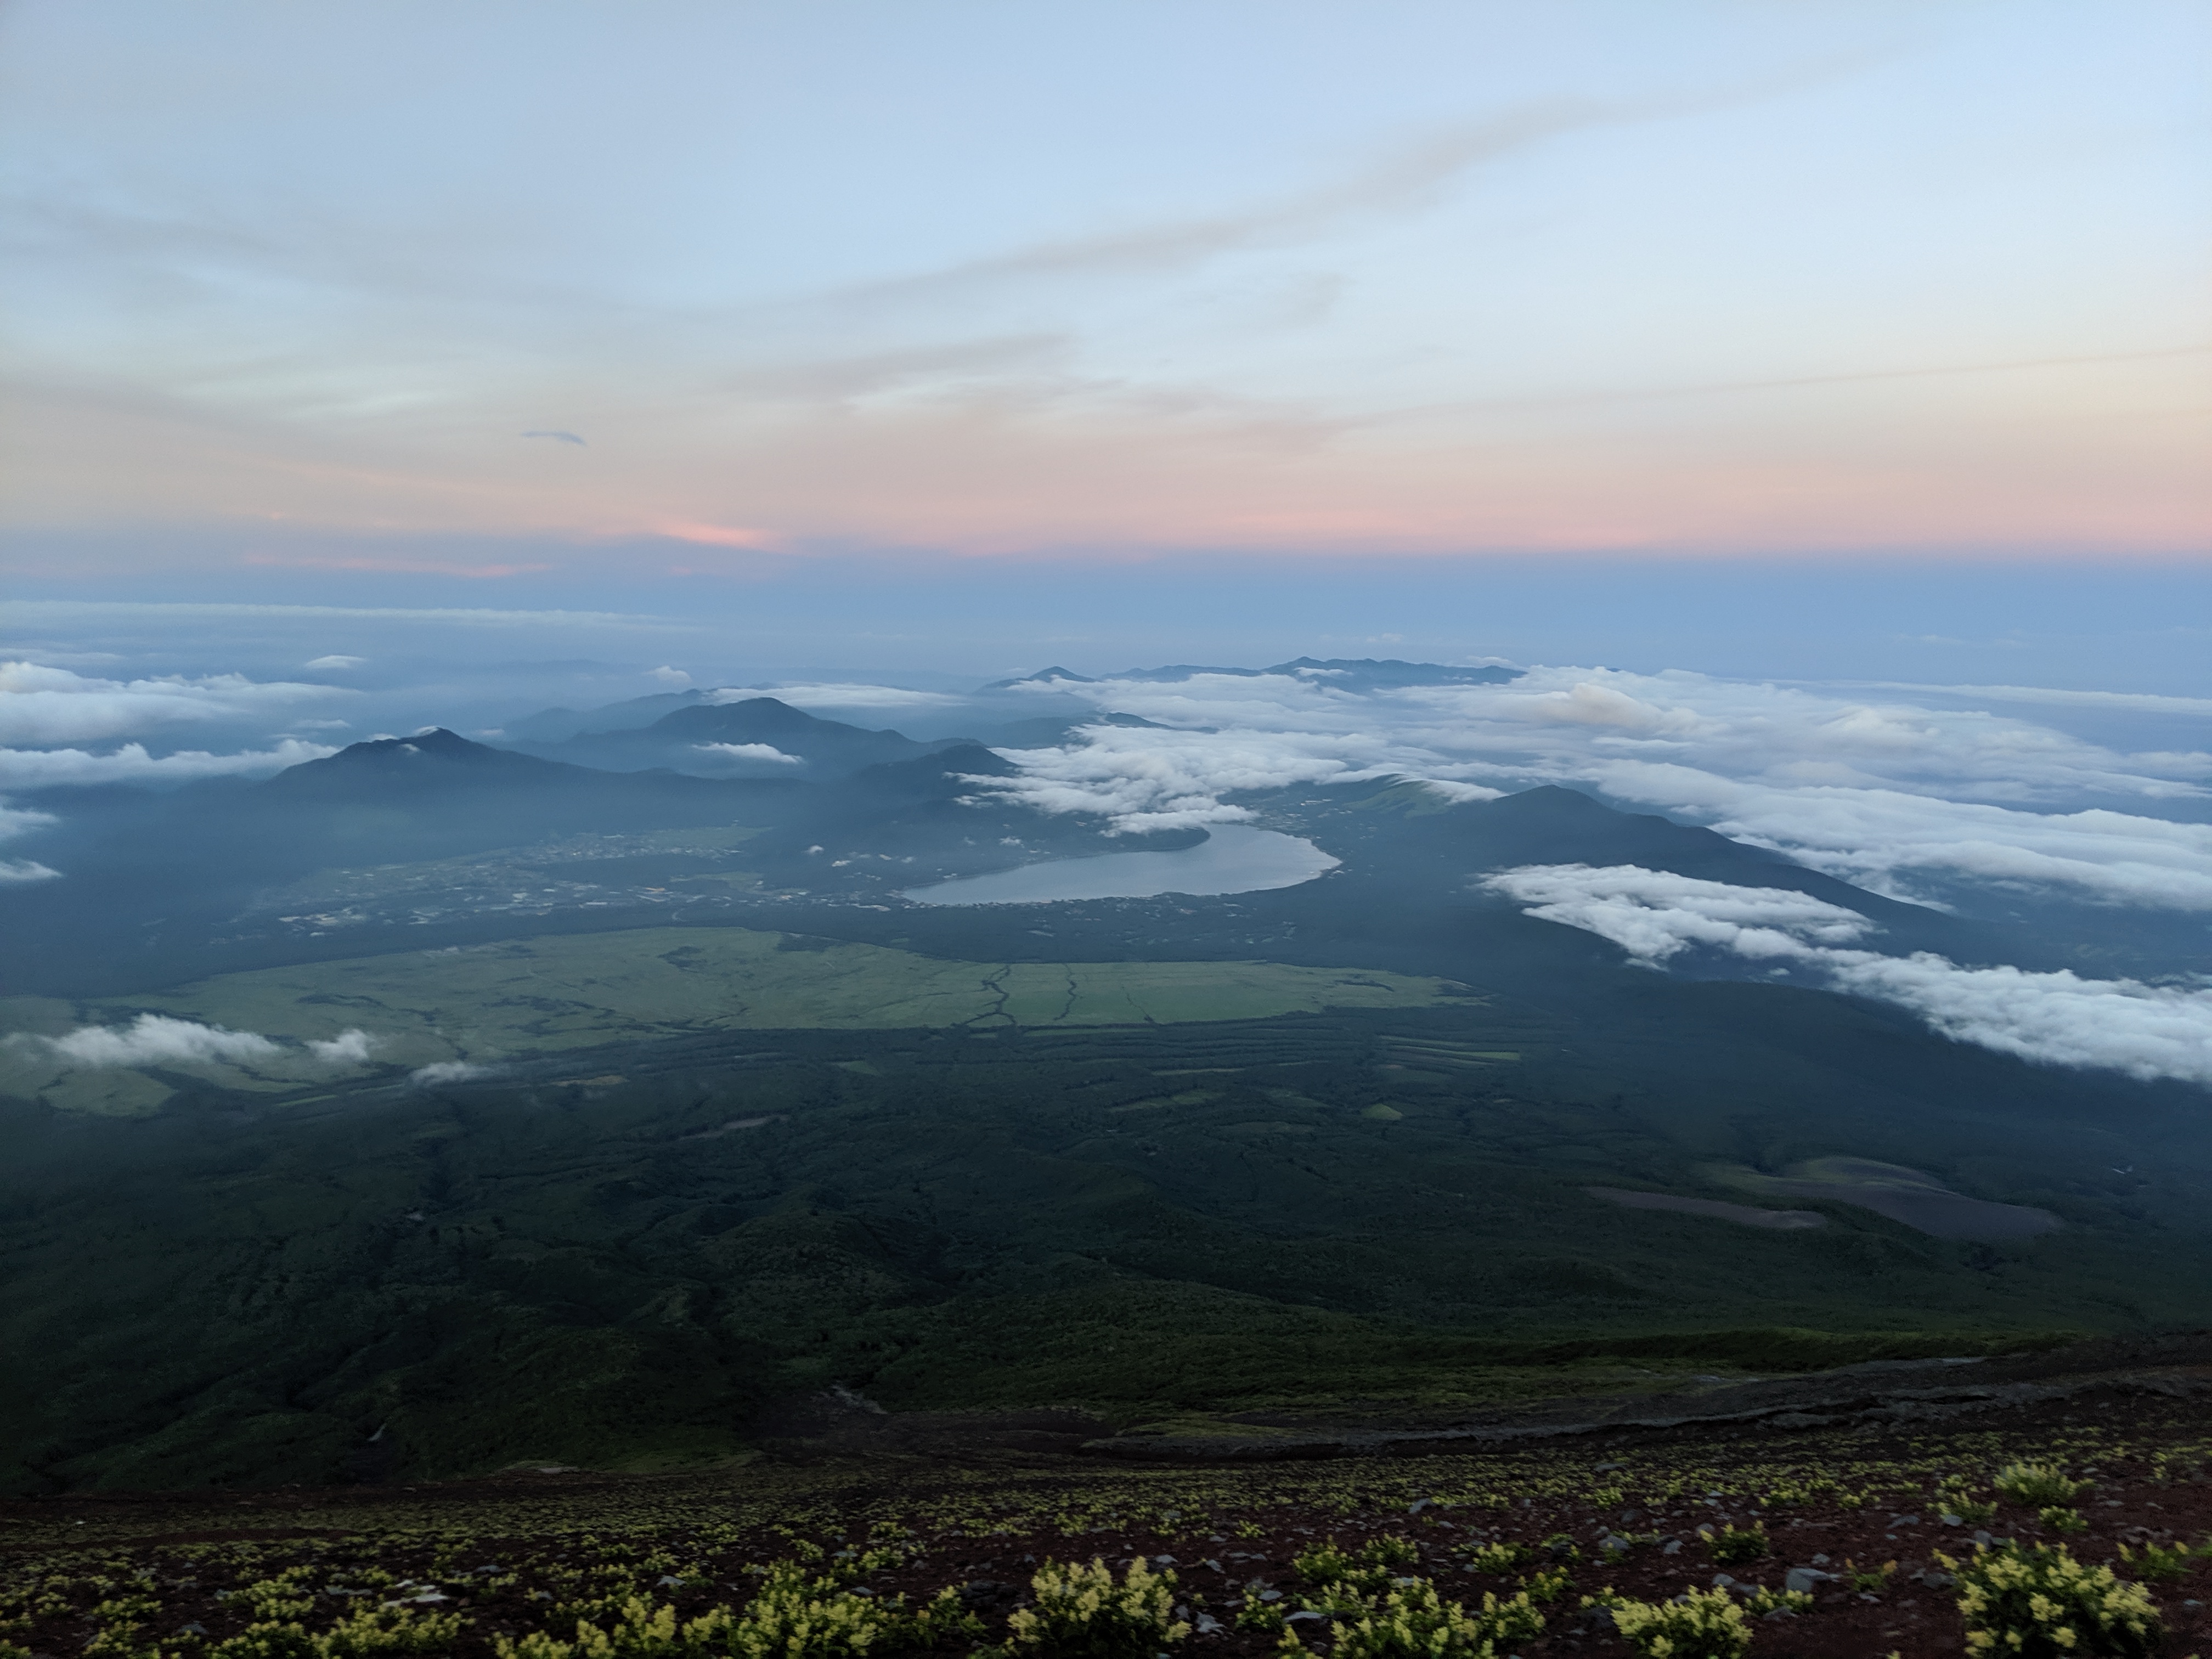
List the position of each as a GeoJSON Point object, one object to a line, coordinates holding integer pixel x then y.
{"type": "Point", "coordinates": [713, 535]}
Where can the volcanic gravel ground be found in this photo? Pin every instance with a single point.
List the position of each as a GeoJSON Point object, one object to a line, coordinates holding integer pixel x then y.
{"type": "Point", "coordinates": [516, 1553]}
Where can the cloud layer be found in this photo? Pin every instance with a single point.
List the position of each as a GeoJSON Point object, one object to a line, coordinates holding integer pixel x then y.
{"type": "Point", "coordinates": [43, 706]}
{"type": "Point", "coordinates": [47, 768]}
{"type": "Point", "coordinates": [2146, 1031]}
{"type": "Point", "coordinates": [1900, 796]}
{"type": "Point", "coordinates": [449, 1071]}
{"type": "Point", "coordinates": [750, 751]}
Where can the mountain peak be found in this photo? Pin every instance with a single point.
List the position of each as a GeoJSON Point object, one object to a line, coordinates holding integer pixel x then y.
{"type": "Point", "coordinates": [1043, 676]}
{"type": "Point", "coordinates": [432, 758]}
{"type": "Point", "coordinates": [438, 741]}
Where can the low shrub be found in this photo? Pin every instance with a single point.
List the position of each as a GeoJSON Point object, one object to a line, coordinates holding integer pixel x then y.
{"type": "Point", "coordinates": [1546, 1584]}
{"type": "Point", "coordinates": [1081, 1613]}
{"type": "Point", "coordinates": [1868, 1580]}
{"type": "Point", "coordinates": [1698, 1624]}
{"type": "Point", "coordinates": [795, 1614]}
{"type": "Point", "coordinates": [1497, 1557]}
{"type": "Point", "coordinates": [1733, 1544]}
{"type": "Point", "coordinates": [2039, 1602]}
{"type": "Point", "coordinates": [1763, 1603]}
{"type": "Point", "coordinates": [2061, 1517]}
{"type": "Point", "coordinates": [1953, 1500]}
{"type": "Point", "coordinates": [2037, 1485]}
{"type": "Point", "coordinates": [367, 1633]}
{"type": "Point", "coordinates": [1413, 1622]}
{"type": "Point", "coordinates": [2159, 1562]}
{"type": "Point", "coordinates": [1367, 1571]}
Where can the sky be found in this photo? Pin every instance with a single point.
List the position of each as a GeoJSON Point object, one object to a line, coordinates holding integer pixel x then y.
{"type": "Point", "coordinates": [697, 309]}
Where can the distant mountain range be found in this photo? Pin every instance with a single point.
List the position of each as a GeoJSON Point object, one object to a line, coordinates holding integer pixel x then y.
{"type": "Point", "coordinates": [755, 737]}
{"type": "Point", "coordinates": [247, 1286]}
{"type": "Point", "coordinates": [721, 732]}
{"type": "Point", "coordinates": [1353, 673]}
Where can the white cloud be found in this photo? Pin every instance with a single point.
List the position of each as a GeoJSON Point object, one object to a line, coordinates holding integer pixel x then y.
{"type": "Point", "coordinates": [1459, 793]}
{"type": "Point", "coordinates": [750, 751]}
{"type": "Point", "coordinates": [2147, 701]}
{"type": "Point", "coordinates": [449, 1071]}
{"type": "Point", "coordinates": [1879, 837]}
{"type": "Point", "coordinates": [1881, 792]}
{"type": "Point", "coordinates": [336, 661]}
{"type": "Point", "coordinates": [674, 679]}
{"type": "Point", "coordinates": [351, 1046]}
{"type": "Point", "coordinates": [21, 821]}
{"type": "Point", "coordinates": [42, 705]}
{"type": "Point", "coordinates": [1654, 914]}
{"type": "Point", "coordinates": [23, 870]}
{"type": "Point", "coordinates": [1142, 780]}
{"type": "Point", "coordinates": [164, 1040]}
{"type": "Point", "coordinates": [2147, 1031]}
{"type": "Point", "coordinates": [47, 768]}
{"type": "Point", "coordinates": [156, 1040]}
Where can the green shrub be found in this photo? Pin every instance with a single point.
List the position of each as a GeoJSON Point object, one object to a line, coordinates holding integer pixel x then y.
{"type": "Point", "coordinates": [2061, 1517]}
{"type": "Point", "coordinates": [1413, 1622]}
{"type": "Point", "coordinates": [2159, 1563]}
{"type": "Point", "coordinates": [375, 1630]}
{"type": "Point", "coordinates": [2039, 1602]}
{"type": "Point", "coordinates": [1763, 1603]}
{"type": "Point", "coordinates": [1546, 1584]}
{"type": "Point", "coordinates": [290, 1594]}
{"type": "Point", "coordinates": [2037, 1485]}
{"type": "Point", "coordinates": [368, 1633]}
{"type": "Point", "coordinates": [1497, 1557]}
{"type": "Point", "coordinates": [1082, 1613]}
{"type": "Point", "coordinates": [1698, 1625]}
{"type": "Point", "coordinates": [1266, 1617]}
{"type": "Point", "coordinates": [267, 1639]}
{"type": "Point", "coordinates": [1733, 1544]}
{"type": "Point", "coordinates": [1952, 1498]}
{"type": "Point", "coordinates": [795, 1614]}
{"type": "Point", "coordinates": [1869, 1581]}
{"type": "Point", "coordinates": [1325, 1565]}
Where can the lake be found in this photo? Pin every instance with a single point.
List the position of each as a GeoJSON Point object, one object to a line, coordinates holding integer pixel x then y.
{"type": "Point", "coordinates": [1231, 859]}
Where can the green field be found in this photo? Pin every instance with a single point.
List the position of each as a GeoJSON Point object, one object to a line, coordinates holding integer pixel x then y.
{"type": "Point", "coordinates": [491, 1001]}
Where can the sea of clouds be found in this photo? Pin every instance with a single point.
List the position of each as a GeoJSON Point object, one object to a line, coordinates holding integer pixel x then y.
{"type": "Point", "coordinates": [1907, 798]}
{"type": "Point", "coordinates": [1879, 793]}
{"type": "Point", "coordinates": [2148, 1032]}
{"type": "Point", "coordinates": [1916, 793]}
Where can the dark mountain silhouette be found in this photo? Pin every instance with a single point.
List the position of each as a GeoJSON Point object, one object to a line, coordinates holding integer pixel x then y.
{"type": "Point", "coordinates": [813, 748]}
{"type": "Point", "coordinates": [559, 725]}
{"type": "Point", "coordinates": [1043, 676]}
{"type": "Point", "coordinates": [1404, 836]}
{"type": "Point", "coordinates": [1368, 673]}
{"type": "Point", "coordinates": [1050, 730]}
{"type": "Point", "coordinates": [429, 763]}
